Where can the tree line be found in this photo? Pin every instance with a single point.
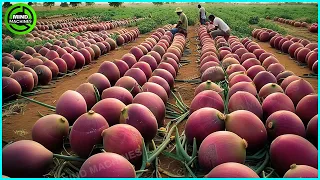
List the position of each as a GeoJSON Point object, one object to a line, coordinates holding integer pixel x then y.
{"type": "Point", "coordinates": [74, 4]}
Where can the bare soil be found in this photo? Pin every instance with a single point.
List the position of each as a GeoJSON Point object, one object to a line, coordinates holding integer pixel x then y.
{"type": "Point", "coordinates": [290, 64]}
{"type": "Point", "coordinates": [299, 32]}
{"type": "Point", "coordinates": [23, 122]}
{"type": "Point", "coordinates": [18, 127]}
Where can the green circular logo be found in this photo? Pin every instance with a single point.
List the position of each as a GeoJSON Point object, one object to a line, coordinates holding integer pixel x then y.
{"type": "Point", "coordinates": [20, 18]}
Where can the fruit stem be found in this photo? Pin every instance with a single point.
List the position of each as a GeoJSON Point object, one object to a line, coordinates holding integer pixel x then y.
{"type": "Point", "coordinates": [190, 171]}
{"type": "Point", "coordinates": [68, 158]}
{"type": "Point", "coordinates": [263, 165]}
{"type": "Point", "coordinates": [144, 159]}
{"type": "Point", "coordinates": [194, 148]}
{"type": "Point", "coordinates": [180, 148]}
{"type": "Point", "coordinates": [96, 93]}
{"type": "Point", "coordinates": [181, 105]}
{"type": "Point", "coordinates": [37, 102]}
{"type": "Point", "coordinates": [167, 140]}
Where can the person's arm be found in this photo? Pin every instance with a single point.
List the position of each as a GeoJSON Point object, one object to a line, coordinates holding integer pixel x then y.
{"type": "Point", "coordinates": [181, 21]}
{"type": "Point", "coordinates": [216, 25]}
{"type": "Point", "coordinates": [178, 24]}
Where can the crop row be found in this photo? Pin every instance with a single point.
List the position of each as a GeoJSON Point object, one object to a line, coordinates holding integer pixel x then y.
{"type": "Point", "coordinates": [56, 22]}
{"type": "Point", "coordinates": [127, 99]}
{"type": "Point", "coordinates": [38, 65]}
{"type": "Point", "coordinates": [80, 26]}
{"type": "Point", "coordinates": [41, 37]}
{"type": "Point", "coordinates": [237, 111]}
{"type": "Point", "coordinates": [301, 50]}
{"type": "Point", "coordinates": [312, 28]}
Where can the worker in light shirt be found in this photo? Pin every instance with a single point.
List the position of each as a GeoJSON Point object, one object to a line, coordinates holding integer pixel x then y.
{"type": "Point", "coordinates": [221, 28]}
{"type": "Point", "coordinates": [202, 15]}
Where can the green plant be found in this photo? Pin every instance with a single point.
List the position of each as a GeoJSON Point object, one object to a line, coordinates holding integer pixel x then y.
{"type": "Point", "coordinates": [157, 3]}
{"type": "Point", "coordinates": [64, 4]}
{"type": "Point", "coordinates": [7, 4]}
{"type": "Point", "coordinates": [254, 20]}
{"type": "Point", "coordinates": [89, 3]}
{"type": "Point", "coordinates": [75, 4]}
{"type": "Point", "coordinates": [48, 4]}
{"type": "Point", "coordinates": [146, 25]}
{"type": "Point", "coordinates": [115, 4]}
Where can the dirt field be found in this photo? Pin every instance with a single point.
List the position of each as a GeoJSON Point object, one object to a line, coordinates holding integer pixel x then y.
{"type": "Point", "coordinates": [300, 32]}
{"type": "Point", "coordinates": [289, 64]}
{"type": "Point", "coordinates": [18, 127]}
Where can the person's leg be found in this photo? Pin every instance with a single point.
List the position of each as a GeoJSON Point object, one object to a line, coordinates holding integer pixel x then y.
{"type": "Point", "coordinates": [183, 31]}
{"type": "Point", "coordinates": [174, 31]}
{"type": "Point", "coordinates": [216, 33]}
{"type": "Point", "coordinates": [227, 35]}
{"type": "Point", "coordinates": [203, 21]}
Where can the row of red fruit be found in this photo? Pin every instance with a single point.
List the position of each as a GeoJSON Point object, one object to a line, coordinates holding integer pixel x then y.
{"type": "Point", "coordinates": [250, 70]}
{"type": "Point", "coordinates": [300, 49]}
{"type": "Point", "coordinates": [312, 28]}
{"type": "Point", "coordinates": [26, 69]}
{"type": "Point", "coordinates": [45, 32]}
{"type": "Point", "coordinates": [143, 108]}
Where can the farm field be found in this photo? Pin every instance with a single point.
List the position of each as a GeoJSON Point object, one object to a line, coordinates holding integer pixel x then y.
{"type": "Point", "coordinates": [88, 86]}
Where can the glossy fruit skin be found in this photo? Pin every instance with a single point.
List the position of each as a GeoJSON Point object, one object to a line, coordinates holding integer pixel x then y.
{"type": "Point", "coordinates": [50, 131]}
{"type": "Point", "coordinates": [263, 78]}
{"type": "Point", "coordinates": [240, 121]}
{"type": "Point", "coordinates": [154, 103]}
{"type": "Point", "coordinates": [284, 122]}
{"type": "Point", "coordinates": [312, 131]}
{"type": "Point", "coordinates": [162, 82]}
{"type": "Point", "coordinates": [208, 85]}
{"type": "Point", "coordinates": [130, 84]}
{"type": "Point", "coordinates": [228, 146]}
{"type": "Point", "coordinates": [298, 89]}
{"type": "Point", "coordinates": [145, 67]}
{"type": "Point", "coordinates": [268, 89]}
{"type": "Point", "coordinates": [276, 102]}
{"type": "Point", "coordinates": [71, 105]}
{"type": "Point", "coordinates": [25, 79]}
{"type": "Point", "coordinates": [207, 120]}
{"type": "Point", "coordinates": [138, 75]}
{"type": "Point", "coordinates": [110, 109]}
{"type": "Point", "coordinates": [88, 91]}
{"type": "Point", "coordinates": [245, 101]}
{"type": "Point", "coordinates": [110, 70]}
{"type": "Point", "coordinates": [26, 158]}
{"type": "Point", "coordinates": [86, 132]}
{"type": "Point", "coordinates": [231, 170]}
{"type": "Point", "coordinates": [207, 98]}
{"type": "Point", "coordinates": [301, 171]}
{"type": "Point", "coordinates": [119, 93]}
{"type": "Point", "coordinates": [290, 149]}
{"type": "Point", "coordinates": [307, 108]}
{"type": "Point", "coordinates": [99, 81]}
{"type": "Point", "coordinates": [140, 117]}
{"type": "Point", "coordinates": [44, 74]}
{"type": "Point", "coordinates": [10, 88]}
{"type": "Point", "coordinates": [125, 140]}
{"type": "Point", "coordinates": [214, 74]}
{"type": "Point", "coordinates": [156, 89]}
{"type": "Point", "coordinates": [120, 168]}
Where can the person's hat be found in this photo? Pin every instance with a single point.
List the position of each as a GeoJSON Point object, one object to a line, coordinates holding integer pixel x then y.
{"type": "Point", "coordinates": [178, 9]}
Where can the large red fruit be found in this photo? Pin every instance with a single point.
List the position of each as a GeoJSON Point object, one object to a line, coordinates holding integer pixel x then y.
{"type": "Point", "coordinates": [227, 147]}
{"type": "Point", "coordinates": [290, 149]}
